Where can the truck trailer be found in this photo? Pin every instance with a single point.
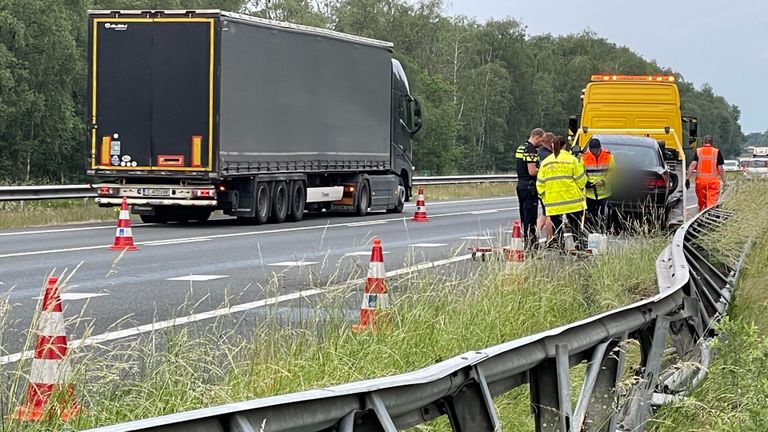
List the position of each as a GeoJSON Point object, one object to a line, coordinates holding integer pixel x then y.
{"type": "Point", "coordinates": [195, 111]}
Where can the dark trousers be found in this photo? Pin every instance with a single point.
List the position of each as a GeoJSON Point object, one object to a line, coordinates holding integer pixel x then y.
{"type": "Point", "coordinates": [574, 222]}
{"type": "Point", "coordinates": [597, 215]}
{"type": "Point", "coordinates": [529, 209]}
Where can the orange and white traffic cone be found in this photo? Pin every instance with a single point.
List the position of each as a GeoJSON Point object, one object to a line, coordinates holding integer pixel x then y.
{"type": "Point", "coordinates": [124, 235]}
{"type": "Point", "coordinates": [515, 253]}
{"type": "Point", "coordinates": [421, 208]}
{"type": "Point", "coordinates": [49, 377]}
{"type": "Point", "coordinates": [373, 310]}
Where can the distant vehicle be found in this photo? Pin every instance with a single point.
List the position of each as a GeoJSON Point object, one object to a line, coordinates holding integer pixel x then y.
{"type": "Point", "coordinates": [755, 167]}
{"type": "Point", "coordinates": [731, 165]}
{"type": "Point", "coordinates": [195, 111]}
{"type": "Point", "coordinates": [644, 183]}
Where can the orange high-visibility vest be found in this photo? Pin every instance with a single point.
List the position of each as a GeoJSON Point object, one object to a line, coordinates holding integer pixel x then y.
{"type": "Point", "coordinates": [707, 165]}
{"type": "Point", "coordinates": [599, 168]}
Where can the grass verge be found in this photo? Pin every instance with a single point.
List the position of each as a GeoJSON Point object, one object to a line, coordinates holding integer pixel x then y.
{"type": "Point", "coordinates": [19, 214]}
{"type": "Point", "coordinates": [437, 315]}
{"type": "Point", "coordinates": [733, 398]}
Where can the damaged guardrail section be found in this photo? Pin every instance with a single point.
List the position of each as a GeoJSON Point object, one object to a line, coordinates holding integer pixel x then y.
{"type": "Point", "coordinates": [694, 292]}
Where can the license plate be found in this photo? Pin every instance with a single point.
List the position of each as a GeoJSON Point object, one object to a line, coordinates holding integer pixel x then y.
{"type": "Point", "coordinates": [157, 192]}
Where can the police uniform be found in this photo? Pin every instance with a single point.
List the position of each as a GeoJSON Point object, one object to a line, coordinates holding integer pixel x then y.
{"type": "Point", "coordinates": [526, 190]}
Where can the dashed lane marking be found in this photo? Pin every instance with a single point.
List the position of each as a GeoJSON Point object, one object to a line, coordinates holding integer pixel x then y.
{"type": "Point", "coordinates": [361, 253]}
{"type": "Point", "coordinates": [197, 278]}
{"type": "Point", "coordinates": [477, 238]}
{"type": "Point", "coordinates": [482, 212]}
{"type": "Point", "coordinates": [76, 296]}
{"type": "Point", "coordinates": [171, 242]}
{"type": "Point", "coordinates": [293, 263]}
{"type": "Point", "coordinates": [428, 245]}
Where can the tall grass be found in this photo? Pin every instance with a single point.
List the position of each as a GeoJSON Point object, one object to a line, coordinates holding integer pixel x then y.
{"type": "Point", "coordinates": [735, 395]}
{"type": "Point", "coordinates": [17, 214]}
{"type": "Point", "coordinates": [437, 315]}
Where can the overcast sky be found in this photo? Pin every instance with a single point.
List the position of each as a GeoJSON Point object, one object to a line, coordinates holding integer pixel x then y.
{"type": "Point", "coordinates": [723, 43]}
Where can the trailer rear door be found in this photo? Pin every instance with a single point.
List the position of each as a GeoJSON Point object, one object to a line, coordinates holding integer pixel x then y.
{"type": "Point", "coordinates": [152, 95]}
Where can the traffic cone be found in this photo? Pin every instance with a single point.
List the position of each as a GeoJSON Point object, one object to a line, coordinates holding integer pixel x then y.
{"type": "Point", "coordinates": [373, 310]}
{"type": "Point", "coordinates": [124, 235]}
{"type": "Point", "coordinates": [49, 377]}
{"type": "Point", "coordinates": [421, 208]}
{"type": "Point", "coordinates": [515, 253]}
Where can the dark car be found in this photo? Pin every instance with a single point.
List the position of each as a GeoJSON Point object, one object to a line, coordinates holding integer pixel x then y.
{"type": "Point", "coordinates": [643, 185]}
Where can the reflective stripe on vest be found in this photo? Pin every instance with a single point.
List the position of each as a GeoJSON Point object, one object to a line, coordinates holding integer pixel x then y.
{"type": "Point", "coordinates": [707, 166]}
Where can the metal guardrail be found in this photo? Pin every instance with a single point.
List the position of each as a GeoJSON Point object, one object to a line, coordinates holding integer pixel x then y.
{"type": "Point", "coordinates": [29, 193]}
{"type": "Point", "coordinates": [441, 180]}
{"type": "Point", "coordinates": [693, 295]}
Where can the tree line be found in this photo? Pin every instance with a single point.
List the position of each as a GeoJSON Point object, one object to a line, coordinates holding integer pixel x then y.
{"type": "Point", "coordinates": [482, 85]}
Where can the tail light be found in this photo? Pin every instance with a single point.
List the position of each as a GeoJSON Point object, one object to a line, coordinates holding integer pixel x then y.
{"type": "Point", "coordinates": [106, 191]}
{"type": "Point", "coordinates": [656, 182]}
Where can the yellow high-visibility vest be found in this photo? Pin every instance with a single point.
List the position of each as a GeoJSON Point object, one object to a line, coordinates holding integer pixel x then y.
{"type": "Point", "coordinates": [560, 184]}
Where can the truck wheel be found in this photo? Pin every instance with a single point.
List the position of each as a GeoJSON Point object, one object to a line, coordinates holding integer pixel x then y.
{"type": "Point", "coordinates": [298, 201]}
{"type": "Point", "coordinates": [279, 202]}
{"type": "Point", "coordinates": [363, 199]}
{"type": "Point", "coordinates": [262, 203]}
{"type": "Point", "coordinates": [400, 197]}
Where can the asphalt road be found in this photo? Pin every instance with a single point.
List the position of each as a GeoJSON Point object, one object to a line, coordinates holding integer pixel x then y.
{"type": "Point", "coordinates": [181, 270]}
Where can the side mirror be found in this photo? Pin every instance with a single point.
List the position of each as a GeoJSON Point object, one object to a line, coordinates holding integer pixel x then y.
{"type": "Point", "coordinates": [573, 125]}
{"type": "Point", "coordinates": [668, 155]}
{"type": "Point", "coordinates": [415, 107]}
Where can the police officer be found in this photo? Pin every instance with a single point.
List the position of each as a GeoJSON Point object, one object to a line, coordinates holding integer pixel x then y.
{"type": "Point", "coordinates": [599, 165]}
{"type": "Point", "coordinates": [526, 161]}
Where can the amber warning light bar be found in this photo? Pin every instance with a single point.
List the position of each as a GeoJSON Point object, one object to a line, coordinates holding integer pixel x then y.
{"type": "Point", "coordinates": [659, 78]}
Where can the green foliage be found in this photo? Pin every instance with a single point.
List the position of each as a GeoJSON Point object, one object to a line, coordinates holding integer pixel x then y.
{"type": "Point", "coordinates": [483, 86]}
{"type": "Point", "coordinates": [757, 139]}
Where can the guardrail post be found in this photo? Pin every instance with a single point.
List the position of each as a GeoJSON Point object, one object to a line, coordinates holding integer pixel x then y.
{"type": "Point", "coordinates": [639, 407]}
{"type": "Point", "coordinates": [601, 406]}
{"type": "Point", "coordinates": [550, 392]}
{"type": "Point", "coordinates": [471, 408]}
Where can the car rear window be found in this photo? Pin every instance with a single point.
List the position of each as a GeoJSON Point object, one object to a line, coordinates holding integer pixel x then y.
{"type": "Point", "coordinates": [630, 156]}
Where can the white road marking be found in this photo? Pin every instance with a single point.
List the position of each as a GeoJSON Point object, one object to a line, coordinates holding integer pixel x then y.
{"type": "Point", "coordinates": [374, 222]}
{"type": "Point", "coordinates": [482, 212]}
{"type": "Point", "coordinates": [49, 231]}
{"type": "Point", "coordinates": [293, 263]}
{"type": "Point", "coordinates": [120, 334]}
{"type": "Point", "coordinates": [171, 242]}
{"type": "Point", "coordinates": [230, 235]}
{"type": "Point", "coordinates": [428, 245]}
{"type": "Point", "coordinates": [197, 278]}
{"type": "Point", "coordinates": [76, 296]}
{"type": "Point", "coordinates": [477, 238]}
{"type": "Point", "coordinates": [361, 253]}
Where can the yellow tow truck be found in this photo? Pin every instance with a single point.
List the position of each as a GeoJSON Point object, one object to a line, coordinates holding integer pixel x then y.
{"type": "Point", "coordinates": [646, 106]}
